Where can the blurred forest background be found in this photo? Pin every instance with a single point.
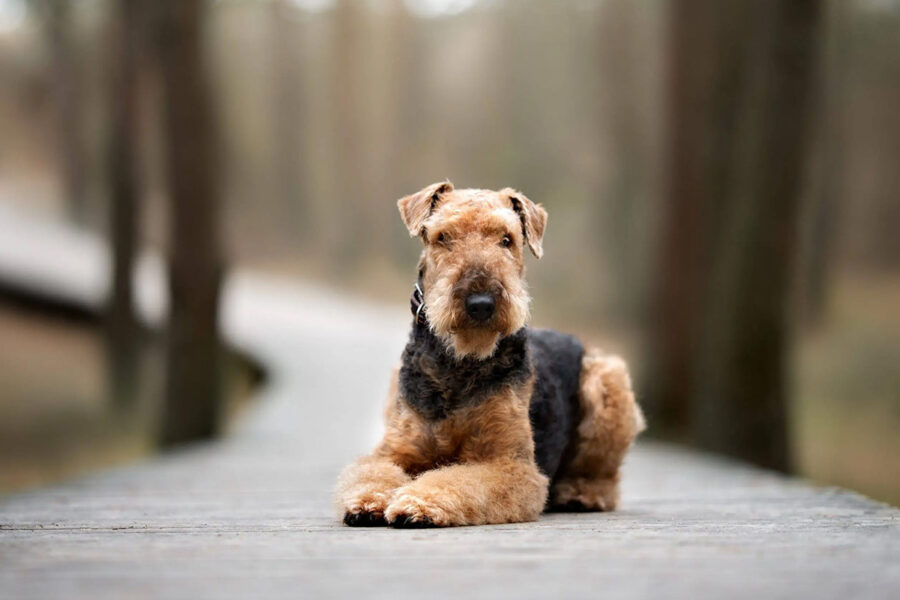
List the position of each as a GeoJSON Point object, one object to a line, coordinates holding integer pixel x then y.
{"type": "Point", "coordinates": [722, 178]}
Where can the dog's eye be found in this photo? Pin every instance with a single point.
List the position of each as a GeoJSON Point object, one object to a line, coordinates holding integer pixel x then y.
{"type": "Point", "coordinates": [507, 241]}
{"type": "Point", "coordinates": [442, 238]}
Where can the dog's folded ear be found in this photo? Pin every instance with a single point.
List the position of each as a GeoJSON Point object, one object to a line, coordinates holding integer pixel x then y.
{"type": "Point", "coordinates": [416, 208]}
{"type": "Point", "coordinates": [533, 217]}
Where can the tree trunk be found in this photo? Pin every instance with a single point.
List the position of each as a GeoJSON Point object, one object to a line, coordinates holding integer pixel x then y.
{"type": "Point", "coordinates": [352, 205]}
{"type": "Point", "coordinates": [68, 99]}
{"type": "Point", "coordinates": [123, 331]}
{"type": "Point", "coordinates": [823, 210]}
{"type": "Point", "coordinates": [409, 121]}
{"type": "Point", "coordinates": [288, 113]}
{"type": "Point", "coordinates": [741, 407]}
{"type": "Point", "coordinates": [706, 75]}
{"type": "Point", "coordinates": [740, 88]}
{"type": "Point", "coordinates": [193, 362]}
{"type": "Point", "coordinates": [624, 193]}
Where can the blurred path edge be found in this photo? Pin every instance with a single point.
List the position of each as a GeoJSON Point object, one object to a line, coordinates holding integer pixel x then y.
{"type": "Point", "coordinates": [250, 514]}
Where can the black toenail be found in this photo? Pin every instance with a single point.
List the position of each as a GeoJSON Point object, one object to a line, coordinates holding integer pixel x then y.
{"type": "Point", "coordinates": [364, 519]}
{"type": "Point", "coordinates": [407, 522]}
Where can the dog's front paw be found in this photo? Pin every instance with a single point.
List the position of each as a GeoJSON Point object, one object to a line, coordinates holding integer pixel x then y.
{"type": "Point", "coordinates": [365, 508]}
{"type": "Point", "coordinates": [408, 511]}
{"type": "Point", "coordinates": [364, 490]}
{"type": "Point", "coordinates": [406, 522]}
{"type": "Point", "coordinates": [364, 519]}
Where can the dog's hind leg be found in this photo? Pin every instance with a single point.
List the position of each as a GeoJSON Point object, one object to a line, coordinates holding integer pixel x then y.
{"type": "Point", "coordinates": [610, 420]}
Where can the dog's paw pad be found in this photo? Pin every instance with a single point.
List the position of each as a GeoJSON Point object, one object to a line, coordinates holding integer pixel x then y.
{"type": "Point", "coordinates": [364, 519]}
{"type": "Point", "coordinates": [409, 522]}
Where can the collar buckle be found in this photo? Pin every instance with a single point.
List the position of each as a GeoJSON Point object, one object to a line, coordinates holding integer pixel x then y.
{"type": "Point", "coordinates": [417, 305]}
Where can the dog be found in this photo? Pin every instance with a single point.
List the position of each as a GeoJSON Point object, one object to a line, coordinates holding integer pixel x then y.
{"type": "Point", "coordinates": [487, 420]}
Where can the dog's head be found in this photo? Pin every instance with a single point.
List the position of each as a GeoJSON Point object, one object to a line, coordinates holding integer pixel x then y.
{"type": "Point", "coordinates": [473, 265]}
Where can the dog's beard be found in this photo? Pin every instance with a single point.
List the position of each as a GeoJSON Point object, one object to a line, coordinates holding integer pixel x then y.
{"type": "Point", "coordinates": [466, 338]}
{"type": "Point", "coordinates": [480, 342]}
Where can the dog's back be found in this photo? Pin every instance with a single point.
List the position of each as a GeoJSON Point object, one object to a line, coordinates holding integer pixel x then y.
{"type": "Point", "coordinates": [556, 359]}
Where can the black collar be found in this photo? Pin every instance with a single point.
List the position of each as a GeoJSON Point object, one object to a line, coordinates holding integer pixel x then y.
{"type": "Point", "coordinates": [417, 305]}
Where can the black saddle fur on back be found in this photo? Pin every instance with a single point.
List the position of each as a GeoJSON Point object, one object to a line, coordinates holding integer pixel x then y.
{"type": "Point", "coordinates": [434, 383]}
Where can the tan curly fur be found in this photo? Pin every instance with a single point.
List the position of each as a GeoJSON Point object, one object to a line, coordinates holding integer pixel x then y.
{"type": "Point", "coordinates": [610, 420]}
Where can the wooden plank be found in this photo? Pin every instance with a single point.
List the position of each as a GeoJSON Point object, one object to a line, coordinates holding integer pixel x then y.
{"type": "Point", "coordinates": [219, 523]}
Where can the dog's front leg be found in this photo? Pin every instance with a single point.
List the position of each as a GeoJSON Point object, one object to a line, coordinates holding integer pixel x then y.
{"type": "Point", "coordinates": [498, 491]}
{"type": "Point", "coordinates": [365, 488]}
{"type": "Point", "coordinates": [495, 479]}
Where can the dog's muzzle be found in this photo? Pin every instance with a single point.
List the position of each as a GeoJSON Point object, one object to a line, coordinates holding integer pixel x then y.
{"type": "Point", "coordinates": [480, 307]}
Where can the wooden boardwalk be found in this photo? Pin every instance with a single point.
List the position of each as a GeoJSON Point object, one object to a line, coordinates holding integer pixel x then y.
{"type": "Point", "coordinates": [250, 516]}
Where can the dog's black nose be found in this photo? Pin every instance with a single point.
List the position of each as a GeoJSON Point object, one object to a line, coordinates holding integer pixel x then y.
{"type": "Point", "coordinates": [480, 307]}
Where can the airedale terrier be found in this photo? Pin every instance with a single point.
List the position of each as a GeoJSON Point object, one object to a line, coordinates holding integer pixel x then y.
{"type": "Point", "coordinates": [486, 418]}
